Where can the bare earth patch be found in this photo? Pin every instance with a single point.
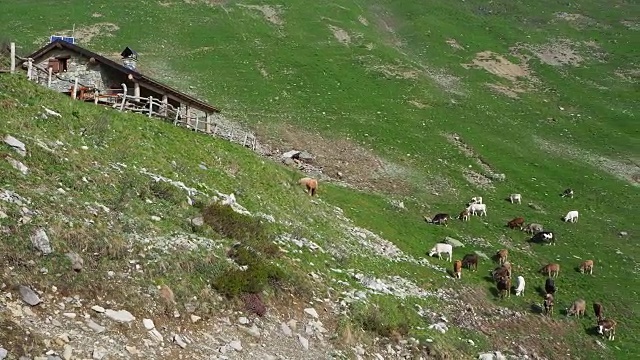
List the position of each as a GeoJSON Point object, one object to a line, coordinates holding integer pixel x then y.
{"type": "Point", "coordinates": [628, 171]}
{"type": "Point", "coordinates": [558, 52]}
{"type": "Point", "coordinates": [96, 15]}
{"type": "Point", "coordinates": [578, 21]}
{"type": "Point", "coordinates": [631, 75]}
{"type": "Point", "coordinates": [359, 167]}
{"type": "Point", "coordinates": [489, 174]}
{"type": "Point", "coordinates": [454, 44]}
{"type": "Point", "coordinates": [510, 91]}
{"type": "Point", "coordinates": [418, 104]}
{"type": "Point", "coordinates": [270, 13]}
{"type": "Point", "coordinates": [341, 35]}
{"type": "Point", "coordinates": [363, 20]}
{"type": "Point", "coordinates": [500, 66]}
{"type": "Point", "coordinates": [87, 33]}
{"type": "Point", "coordinates": [632, 25]}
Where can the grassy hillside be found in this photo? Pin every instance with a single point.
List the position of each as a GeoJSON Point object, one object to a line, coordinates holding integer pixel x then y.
{"type": "Point", "coordinates": [544, 93]}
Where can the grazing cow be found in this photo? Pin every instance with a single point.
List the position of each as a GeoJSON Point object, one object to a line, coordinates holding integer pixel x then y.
{"type": "Point", "coordinates": [440, 248]}
{"type": "Point", "coordinates": [533, 228]}
{"type": "Point", "coordinates": [548, 304]}
{"type": "Point", "coordinates": [587, 266]}
{"type": "Point", "coordinates": [311, 184]}
{"type": "Point", "coordinates": [520, 286]}
{"type": "Point", "coordinates": [516, 198]}
{"type": "Point", "coordinates": [567, 193]}
{"type": "Point", "coordinates": [607, 326]}
{"type": "Point", "coordinates": [507, 265]}
{"type": "Point", "coordinates": [571, 216]}
{"type": "Point", "coordinates": [551, 269]}
{"type": "Point", "coordinates": [516, 223]}
{"type": "Point", "coordinates": [502, 256]}
{"type": "Point", "coordinates": [478, 208]}
{"type": "Point", "coordinates": [578, 308]}
{"type": "Point", "coordinates": [544, 237]}
{"type": "Point", "coordinates": [438, 219]}
{"type": "Point", "coordinates": [504, 287]}
{"type": "Point", "coordinates": [598, 310]}
{"type": "Point", "coordinates": [476, 200]}
{"type": "Point", "coordinates": [464, 215]}
{"type": "Point", "coordinates": [500, 272]}
{"type": "Point", "coordinates": [470, 260]}
{"type": "Point", "coordinates": [457, 269]}
{"type": "Point", "coordinates": [550, 286]}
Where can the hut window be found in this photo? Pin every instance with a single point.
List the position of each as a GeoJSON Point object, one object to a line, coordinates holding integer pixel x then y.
{"type": "Point", "coordinates": [59, 64]}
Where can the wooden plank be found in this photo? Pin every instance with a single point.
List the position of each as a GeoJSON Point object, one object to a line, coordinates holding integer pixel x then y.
{"type": "Point", "coordinates": [13, 57]}
{"type": "Point", "coordinates": [75, 88]}
{"type": "Point", "coordinates": [50, 74]}
{"type": "Point", "coordinates": [150, 105]}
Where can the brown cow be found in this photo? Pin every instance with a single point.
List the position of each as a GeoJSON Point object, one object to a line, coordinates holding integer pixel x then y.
{"type": "Point", "coordinates": [551, 269]}
{"type": "Point", "coordinates": [516, 223]}
{"type": "Point", "coordinates": [598, 310]}
{"type": "Point", "coordinates": [464, 215]}
{"type": "Point", "coordinates": [457, 269]}
{"type": "Point", "coordinates": [438, 219]}
{"type": "Point", "coordinates": [500, 272]}
{"type": "Point", "coordinates": [470, 260]}
{"type": "Point", "coordinates": [310, 184]}
{"type": "Point", "coordinates": [587, 266]}
{"type": "Point", "coordinates": [502, 255]}
{"type": "Point", "coordinates": [548, 304]}
{"type": "Point", "coordinates": [578, 308]}
{"type": "Point", "coordinates": [607, 326]}
{"type": "Point", "coordinates": [504, 287]}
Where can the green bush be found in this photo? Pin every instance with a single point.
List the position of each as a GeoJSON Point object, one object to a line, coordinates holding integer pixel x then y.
{"type": "Point", "coordinates": [165, 191]}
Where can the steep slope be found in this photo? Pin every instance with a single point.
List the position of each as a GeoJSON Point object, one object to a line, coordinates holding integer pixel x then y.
{"type": "Point", "coordinates": [428, 103]}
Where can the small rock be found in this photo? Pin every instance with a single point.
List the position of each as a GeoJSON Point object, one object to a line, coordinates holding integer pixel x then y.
{"type": "Point", "coordinates": [29, 296]}
{"type": "Point", "coordinates": [453, 242]}
{"type": "Point", "coordinates": [155, 334]}
{"type": "Point", "coordinates": [16, 144]}
{"type": "Point", "coordinates": [312, 312]}
{"type": "Point", "coordinates": [97, 308]}
{"type": "Point", "coordinates": [76, 261]}
{"type": "Point", "coordinates": [98, 353]}
{"type": "Point", "coordinates": [3, 353]}
{"type": "Point", "coordinates": [623, 233]}
{"type": "Point", "coordinates": [132, 350]}
{"type": "Point", "coordinates": [286, 329]}
{"type": "Point", "coordinates": [197, 221]}
{"type": "Point", "coordinates": [148, 324]}
{"type": "Point", "coordinates": [195, 318]}
{"type": "Point", "coordinates": [178, 341]}
{"type": "Point", "coordinates": [303, 341]}
{"type": "Point", "coordinates": [236, 345]}
{"type": "Point", "coordinates": [67, 352]}
{"type": "Point", "coordinates": [40, 241]}
{"type": "Point", "coordinates": [253, 331]}
{"type": "Point", "coordinates": [70, 315]}
{"type": "Point", "coordinates": [243, 320]}
{"type": "Point", "coordinates": [293, 324]}
{"type": "Point", "coordinates": [155, 218]}
{"type": "Point", "coordinates": [120, 315]}
{"type": "Point", "coordinates": [18, 165]}
{"type": "Point", "coordinates": [95, 326]}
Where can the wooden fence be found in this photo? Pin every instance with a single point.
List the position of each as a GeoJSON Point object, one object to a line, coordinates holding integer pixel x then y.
{"type": "Point", "coordinates": [119, 99]}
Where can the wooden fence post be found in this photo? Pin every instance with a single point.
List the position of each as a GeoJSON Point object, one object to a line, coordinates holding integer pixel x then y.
{"type": "Point", "coordinates": [150, 105]}
{"type": "Point", "coordinates": [124, 96]}
{"type": "Point", "coordinates": [244, 142]}
{"type": "Point", "coordinates": [50, 74]}
{"type": "Point", "coordinates": [197, 121]}
{"type": "Point", "coordinates": [75, 88]}
{"type": "Point", "coordinates": [95, 96]}
{"type": "Point", "coordinates": [208, 124]}
{"type": "Point", "coordinates": [13, 57]}
{"type": "Point", "coordinates": [215, 129]}
{"type": "Point", "coordinates": [29, 68]}
{"type": "Point", "coordinates": [175, 121]}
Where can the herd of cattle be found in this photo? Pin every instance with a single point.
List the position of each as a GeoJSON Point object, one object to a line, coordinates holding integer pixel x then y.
{"type": "Point", "coordinates": [502, 274]}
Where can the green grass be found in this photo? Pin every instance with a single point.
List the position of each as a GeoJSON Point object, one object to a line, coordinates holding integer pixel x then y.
{"type": "Point", "coordinates": [315, 82]}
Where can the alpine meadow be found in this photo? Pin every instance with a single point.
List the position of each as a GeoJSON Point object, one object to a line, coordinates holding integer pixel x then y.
{"type": "Point", "coordinates": [125, 236]}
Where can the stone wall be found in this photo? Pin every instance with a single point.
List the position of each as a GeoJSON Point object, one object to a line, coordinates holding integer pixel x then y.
{"type": "Point", "coordinates": [93, 75]}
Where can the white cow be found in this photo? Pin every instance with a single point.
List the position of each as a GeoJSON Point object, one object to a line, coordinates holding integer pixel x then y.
{"type": "Point", "coordinates": [516, 198]}
{"type": "Point", "coordinates": [478, 208]}
{"type": "Point", "coordinates": [520, 286]}
{"type": "Point", "coordinates": [571, 216]}
{"type": "Point", "coordinates": [440, 248]}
